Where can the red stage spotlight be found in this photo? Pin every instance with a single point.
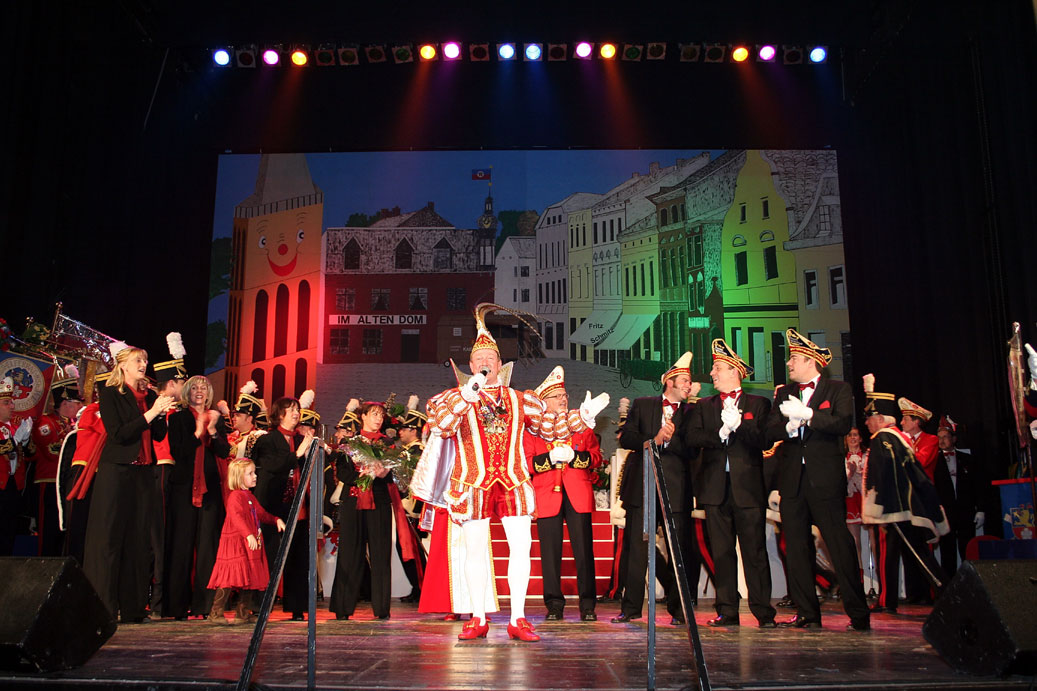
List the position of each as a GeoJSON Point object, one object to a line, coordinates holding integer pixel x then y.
{"type": "Point", "coordinates": [479, 52]}
{"type": "Point", "coordinates": [557, 51]}
{"type": "Point", "coordinates": [607, 51]}
{"type": "Point", "coordinates": [452, 50]}
{"type": "Point", "coordinates": [740, 54]}
{"type": "Point", "coordinates": [427, 52]}
{"type": "Point", "coordinates": [656, 51]}
{"type": "Point", "coordinates": [690, 52]}
{"type": "Point", "coordinates": [715, 52]}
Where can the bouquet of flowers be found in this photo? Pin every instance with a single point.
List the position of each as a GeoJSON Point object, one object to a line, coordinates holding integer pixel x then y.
{"type": "Point", "coordinates": [367, 455]}
{"type": "Point", "coordinates": [601, 476]}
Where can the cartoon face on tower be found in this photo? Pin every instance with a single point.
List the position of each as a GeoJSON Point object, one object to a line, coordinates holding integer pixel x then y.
{"type": "Point", "coordinates": [281, 237]}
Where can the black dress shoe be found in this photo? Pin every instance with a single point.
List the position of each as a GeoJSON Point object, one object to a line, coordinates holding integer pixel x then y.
{"type": "Point", "coordinates": [588, 616]}
{"type": "Point", "coordinates": [624, 618]}
{"type": "Point", "coordinates": [786, 602]}
{"type": "Point", "coordinates": [297, 616]}
{"type": "Point", "coordinates": [769, 624]}
{"type": "Point", "coordinates": [799, 622]}
{"type": "Point", "coordinates": [553, 615]}
{"type": "Point", "coordinates": [883, 610]}
{"type": "Point", "coordinates": [341, 617]}
{"type": "Point", "coordinates": [859, 625]}
{"type": "Point", "coordinates": [723, 620]}
{"type": "Point", "coordinates": [677, 620]}
{"type": "Point", "coordinates": [382, 617]}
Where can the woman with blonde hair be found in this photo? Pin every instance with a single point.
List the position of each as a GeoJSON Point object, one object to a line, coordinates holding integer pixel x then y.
{"type": "Point", "coordinates": [198, 441]}
{"type": "Point", "coordinates": [116, 551]}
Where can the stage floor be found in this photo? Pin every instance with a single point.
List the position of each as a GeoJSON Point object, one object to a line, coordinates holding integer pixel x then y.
{"type": "Point", "coordinates": [417, 651]}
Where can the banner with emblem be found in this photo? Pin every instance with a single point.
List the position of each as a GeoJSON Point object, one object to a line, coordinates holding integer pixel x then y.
{"type": "Point", "coordinates": [31, 377]}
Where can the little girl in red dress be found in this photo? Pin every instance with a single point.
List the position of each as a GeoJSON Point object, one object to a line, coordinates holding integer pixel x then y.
{"type": "Point", "coordinates": [241, 560]}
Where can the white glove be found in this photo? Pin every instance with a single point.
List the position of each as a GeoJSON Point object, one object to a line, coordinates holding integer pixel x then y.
{"type": "Point", "coordinates": [731, 415]}
{"type": "Point", "coordinates": [470, 391]}
{"type": "Point", "coordinates": [561, 454]}
{"type": "Point", "coordinates": [1033, 429]}
{"type": "Point", "coordinates": [590, 407]}
{"type": "Point", "coordinates": [980, 520]}
{"type": "Point", "coordinates": [1031, 360]}
{"type": "Point", "coordinates": [792, 427]}
{"type": "Point", "coordinates": [21, 435]}
{"type": "Point", "coordinates": [774, 500]}
{"type": "Point", "coordinates": [795, 408]}
{"type": "Point", "coordinates": [724, 432]}
{"type": "Point", "coordinates": [617, 514]}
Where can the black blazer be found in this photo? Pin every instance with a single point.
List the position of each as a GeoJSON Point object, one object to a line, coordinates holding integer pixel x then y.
{"type": "Point", "coordinates": [183, 444]}
{"type": "Point", "coordinates": [642, 424]}
{"type": "Point", "coordinates": [961, 503]}
{"type": "Point", "coordinates": [820, 450]}
{"type": "Point", "coordinates": [274, 461]}
{"type": "Point", "coordinates": [744, 449]}
{"type": "Point", "coordinates": [125, 424]}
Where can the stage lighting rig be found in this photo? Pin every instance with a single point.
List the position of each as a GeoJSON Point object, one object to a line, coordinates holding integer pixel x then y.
{"type": "Point", "coordinates": [479, 52]}
{"type": "Point", "coordinates": [532, 52]}
{"type": "Point", "coordinates": [221, 56]}
{"type": "Point", "coordinates": [451, 50]}
{"type": "Point", "coordinates": [690, 52]}
{"type": "Point", "coordinates": [633, 52]}
{"type": "Point", "coordinates": [583, 50]}
{"type": "Point", "coordinates": [245, 56]}
{"type": "Point", "coordinates": [818, 54]}
{"type": "Point", "coordinates": [556, 52]}
{"type": "Point", "coordinates": [766, 53]}
{"type": "Point", "coordinates": [272, 54]}
{"type": "Point", "coordinates": [428, 52]}
{"type": "Point", "coordinates": [375, 53]}
{"type": "Point", "coordinates": [607, 51]}
{"type": "Point", "coordinates": [349, 56]}
{"type": "Point", "coordinates": [715, 52]}
{"type": "Point", "coordinates": [324, 56]}
{"type": "Point", "coordinates": [792, 55]}
{"type": "Point", "coordinates": [506, 51]}
{"type": "Point", "coordinates": [300, 55]}
{"type": "Point", "coordinates": [402, 53]}
{"type": "Point", "coordinates": [656, 51]}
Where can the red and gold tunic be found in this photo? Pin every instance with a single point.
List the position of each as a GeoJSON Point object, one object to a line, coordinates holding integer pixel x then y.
{"type": "Point", "coordinates": [47, 435]}
{"type": "Point", "coordinates": [489, 474]}
{"type": "Point", "coordinates": [9, 452]}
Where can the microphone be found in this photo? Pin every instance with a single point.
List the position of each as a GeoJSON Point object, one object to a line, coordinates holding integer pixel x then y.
{"type": "Point", "coordinates": [484, 371]}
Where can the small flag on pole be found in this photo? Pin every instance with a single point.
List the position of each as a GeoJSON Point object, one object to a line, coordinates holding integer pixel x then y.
{"type": "Point", "coordinates": [481, 173]}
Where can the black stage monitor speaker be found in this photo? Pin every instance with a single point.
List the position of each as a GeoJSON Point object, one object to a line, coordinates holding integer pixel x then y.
{"type": "Point", "coordinates": [51, 618]}
{"type": "Point", "coordinates": [985, 622]}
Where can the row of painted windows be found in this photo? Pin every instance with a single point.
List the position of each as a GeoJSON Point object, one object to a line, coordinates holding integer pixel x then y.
{"type": "Point", "coordinates": [370, 341]}
{"type": "Point", "coordinates": [442, 255]}
{"type": "Point", "coordinates": [554, 335]}
{"type": "Point", "coordinates": [765, 210]}
{"type": "Point", "coordinates": [551, 254]}
{"type": "Point", "coordinates": [674, 214]}
{"type": "Point", "coordinates": [417, 299]}
{"type": "Point", "coordinates": [261, 321]}
{"type": "Point", "coordinates": [552, 292]}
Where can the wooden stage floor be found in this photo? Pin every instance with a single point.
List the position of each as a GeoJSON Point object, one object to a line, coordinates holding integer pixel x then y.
{"type": "Point", "coordinates": [417, 651]}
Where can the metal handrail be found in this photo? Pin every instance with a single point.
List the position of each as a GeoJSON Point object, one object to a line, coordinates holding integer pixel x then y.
{"type": "Point", "coordinates": [315, 452]}
{"type": "Point", "coordinates": [655, 484]}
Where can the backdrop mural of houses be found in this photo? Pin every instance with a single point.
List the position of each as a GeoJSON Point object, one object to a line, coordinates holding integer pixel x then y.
{"type": "Point", "coordinates": [325, 262]}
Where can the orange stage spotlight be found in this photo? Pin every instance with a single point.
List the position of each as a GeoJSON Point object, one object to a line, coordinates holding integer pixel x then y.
{"type": "Point", "coordinates": [740, 54]}
{"type": "Point", "coordinates": [427, 52]}
{"type": "Point", "coordinates": [607, 51]}
{"type": "Point", "coordinates": [300, 57]}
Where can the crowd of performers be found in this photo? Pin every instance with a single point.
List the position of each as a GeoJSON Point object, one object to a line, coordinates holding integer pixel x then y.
{"type": "Point", "coordinates": [176, 507]}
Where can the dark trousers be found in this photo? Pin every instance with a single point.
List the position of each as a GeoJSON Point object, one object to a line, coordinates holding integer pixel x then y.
{"type": "Point", "coordinates": [49, 535]}
{"type": "Point", "coordinates": [296, 566]}
{"type": "Point", "coordinates": [363, 534]}
{"type": "Point", "coordinates": [725, 523]}
{"type": "Point", "coordinates": [11, 501]}
{"type": "Point", "coordinates": [158, 503]}
{"type": "Point", "coordinates": [76, 520]}
{"type": "Point", "coordinates": [117, 554]}
{"type": "Point", "coordinates": [207, 544]}
{"type": "Point", "coordinates": [892, 549]}
{"type": "Point", "coordinates": [410, 566]}
{"type": "Point", "coordinates": [549, 531]}
{"type": "Point", "coordinates": [953, 544]}
{"type": "Point", "coordinates": [637, 562]}
{"type": "Point", "coordinates": [181, 532]}
{"type": "Point", "coordinates": [828, 513]}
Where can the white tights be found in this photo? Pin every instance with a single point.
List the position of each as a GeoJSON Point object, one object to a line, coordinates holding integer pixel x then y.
{"type": "Point", "coordinates": [477, 540]}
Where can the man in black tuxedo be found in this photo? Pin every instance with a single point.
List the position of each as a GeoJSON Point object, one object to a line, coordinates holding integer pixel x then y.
{"type": "Point", "coordinates": [812, 416]}
{"type": "Point", "coordinates": [729, 428]}
{"type": "Point", "coordinates": [959, 483]}
{"type": "Point", "coordinates": [660, 418]}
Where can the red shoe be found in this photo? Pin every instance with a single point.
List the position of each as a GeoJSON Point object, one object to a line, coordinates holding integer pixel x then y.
{"type": "Point", "coordinates": [523, 631]}
{"type": "Point", "coordinates": [452, 617]}
{"type": "Point", "coordinates": [474, 628]}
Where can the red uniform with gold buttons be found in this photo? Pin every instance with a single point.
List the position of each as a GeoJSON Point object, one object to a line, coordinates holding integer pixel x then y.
{"type": "Point", "coordinates": [47, 436]}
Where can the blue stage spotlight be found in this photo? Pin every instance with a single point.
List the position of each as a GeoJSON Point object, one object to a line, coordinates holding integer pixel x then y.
{"type": "Point", "coordinates": [506, 51]}
{"type": "Point", "coordinates": [818, 54]}
{"type": "Point", "coordinates": [533, 51]}
{"type": "Point", "coordinates": [221, 56]}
